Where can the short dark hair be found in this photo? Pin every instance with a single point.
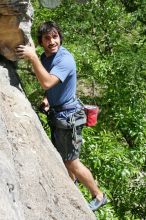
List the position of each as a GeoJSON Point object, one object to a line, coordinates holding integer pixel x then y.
{"type": "Point", "coordinates": [47, 27]}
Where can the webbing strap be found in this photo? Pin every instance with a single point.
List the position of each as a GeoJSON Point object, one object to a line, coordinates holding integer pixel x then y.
{"type": "Point", "coordinates": [74, 134]}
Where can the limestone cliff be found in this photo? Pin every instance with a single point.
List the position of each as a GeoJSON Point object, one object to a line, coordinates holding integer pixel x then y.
{"type": "Point", "coordinates": [15, 26]}
{"type": "Point", "coordinates": [55, 3]}
{"type": "Point", "coordinates": [34, 183]}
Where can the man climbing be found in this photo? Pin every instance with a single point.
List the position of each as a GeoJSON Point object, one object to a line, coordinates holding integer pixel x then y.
{"type": "Point", "coordinates": [56, 73]}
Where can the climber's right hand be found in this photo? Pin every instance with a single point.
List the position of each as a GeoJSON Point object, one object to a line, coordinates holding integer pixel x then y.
{"type": "Point", "coordinates": [25, 52]}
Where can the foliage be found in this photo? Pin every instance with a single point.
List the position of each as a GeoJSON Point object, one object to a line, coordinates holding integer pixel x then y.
{"type": "Point", "coordinates": [119, 171]}
{"type": "Point", "coordinates": [108, 40]}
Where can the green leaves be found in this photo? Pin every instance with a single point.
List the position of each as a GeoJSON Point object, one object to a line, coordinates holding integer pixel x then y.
{"type": "Point", "coordinates": [119, 172]}
{"type": "Point", "coordinates": [108, 41]}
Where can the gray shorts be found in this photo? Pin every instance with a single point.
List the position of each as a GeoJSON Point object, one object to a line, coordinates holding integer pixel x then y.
{"type": "Point", "coordinates": [67, 141]}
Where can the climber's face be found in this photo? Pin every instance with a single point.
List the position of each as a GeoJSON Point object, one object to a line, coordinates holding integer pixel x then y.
{"type": "Point", "coordinates": [51, 42]}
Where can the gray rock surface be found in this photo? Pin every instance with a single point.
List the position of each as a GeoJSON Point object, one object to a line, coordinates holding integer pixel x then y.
{"type": "Point", "coordinates": [34, 183]}
{"type": "Point", "coordinates": [55, 3]}
{"type": "Point", "coordinates": [15, 26]}
{"type": "Point", "coordinates": [50, 3]}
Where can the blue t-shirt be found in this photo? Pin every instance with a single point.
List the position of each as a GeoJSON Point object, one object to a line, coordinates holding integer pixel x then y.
{"type": "Point", "coordinates": [62, 65]}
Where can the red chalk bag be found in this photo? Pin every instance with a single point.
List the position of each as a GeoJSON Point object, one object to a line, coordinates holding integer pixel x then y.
{"type": "Point", "coordinates": [92, 112]}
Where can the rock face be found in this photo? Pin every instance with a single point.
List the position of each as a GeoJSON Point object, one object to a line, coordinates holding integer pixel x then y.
{"type": "Point", "coordinates": [15, 26]}
{"type": "Point", "coordinates": [34, 184]}
{"type": "Point", "coordinates": [55, 3]}
{"type": "Point", "coordinates": [50, 3]}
